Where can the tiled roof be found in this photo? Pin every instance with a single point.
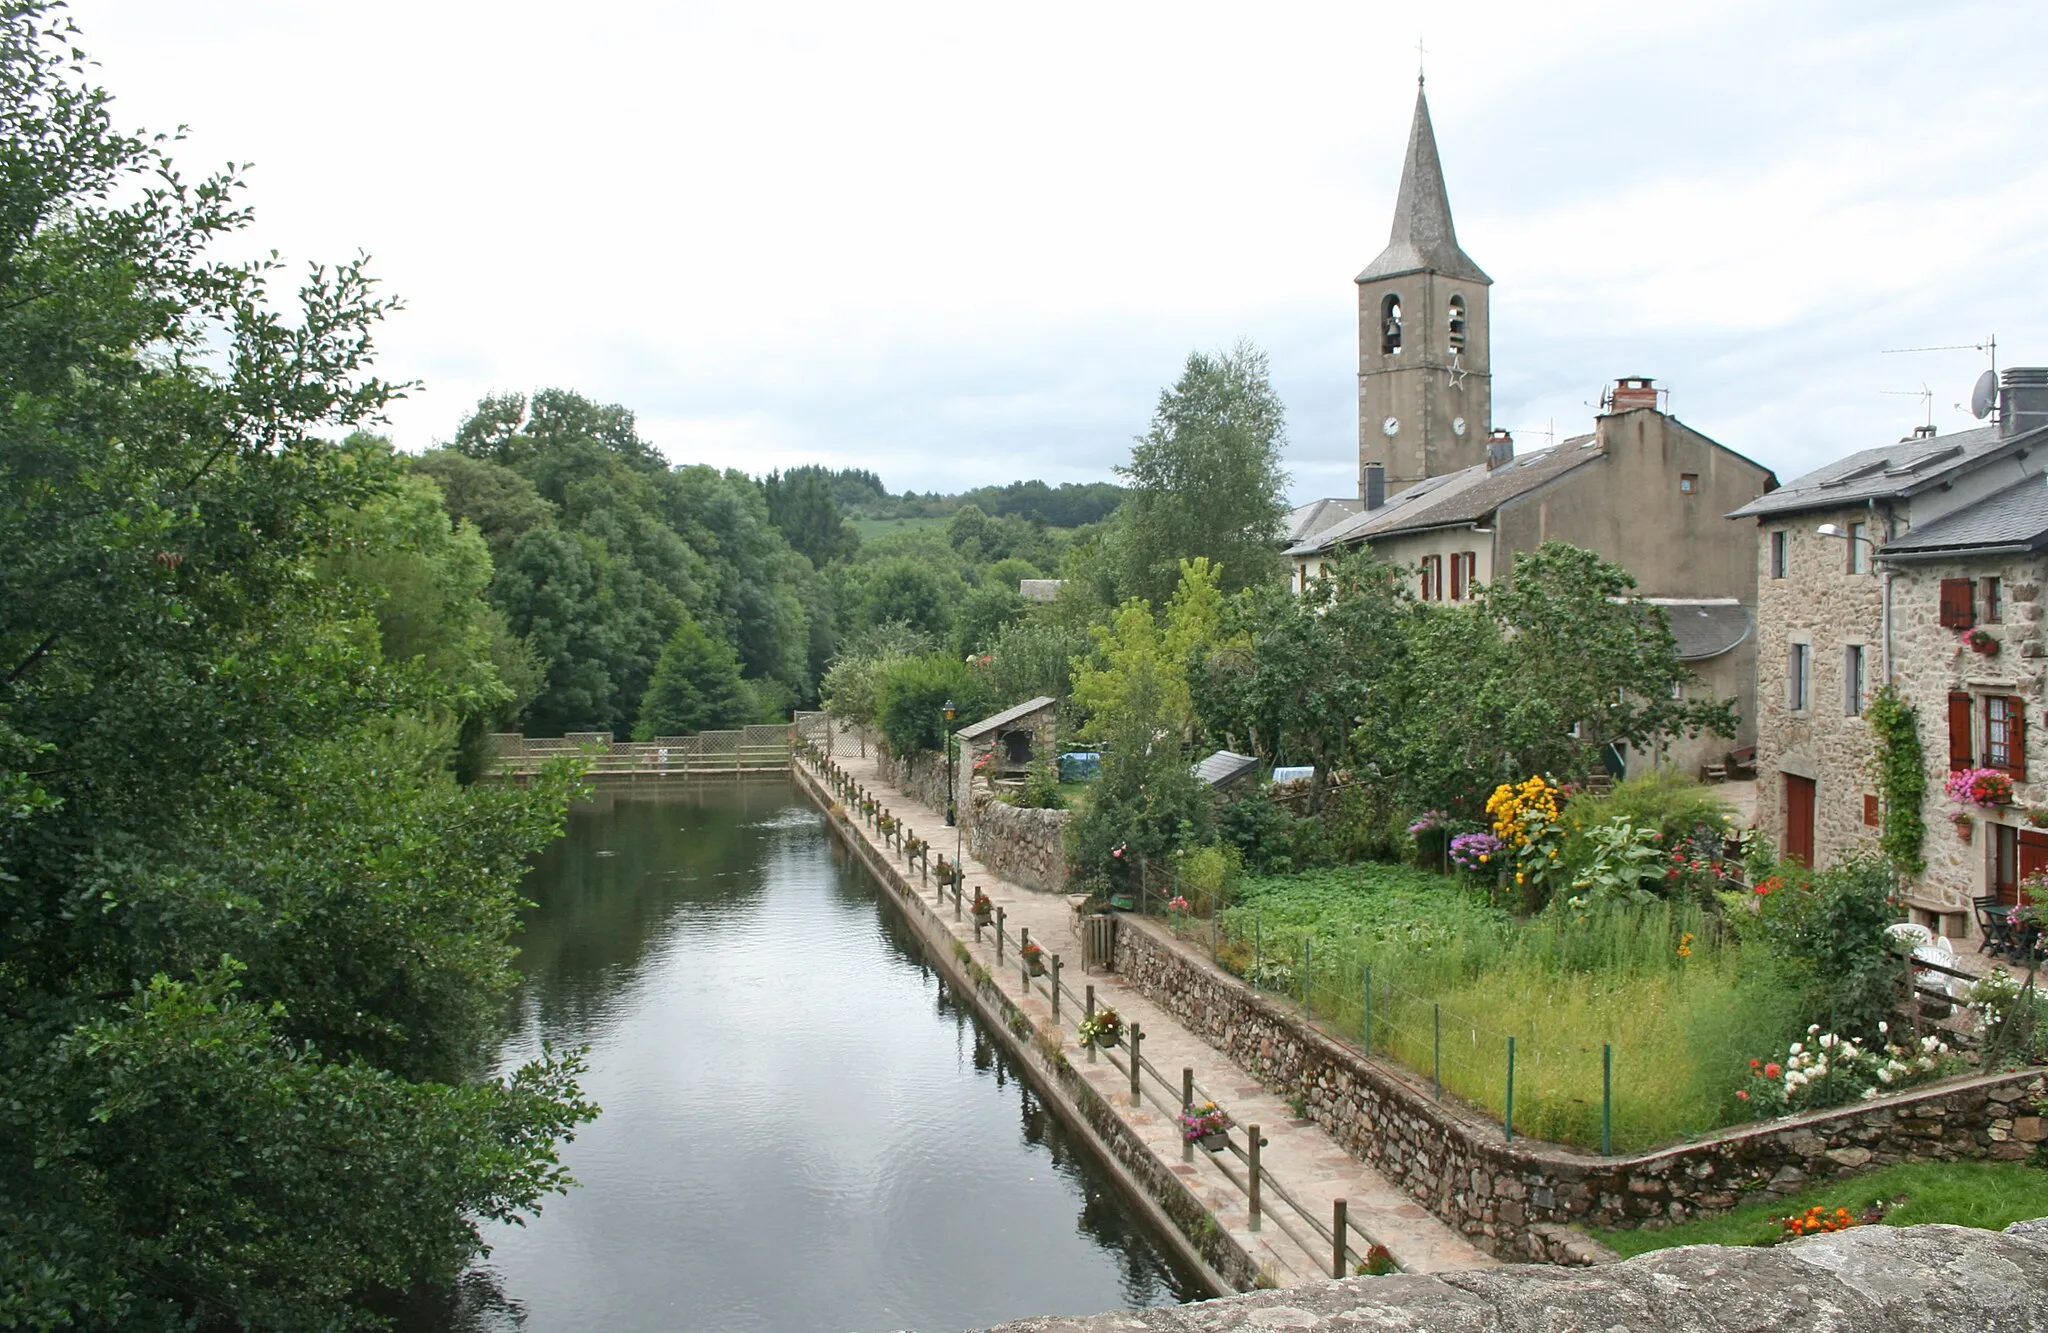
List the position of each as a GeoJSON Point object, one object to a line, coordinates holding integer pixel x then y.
{"type": "Point", "coordinates": [1465, 496]}
{"type": "Point", "coordinates": [1887, 472]}
{"type": "Point", "coordinates": [1305, 521]}
{"type": "Point", "coordinates": [1706, 627]}
{"type": "Point", "coordinates": [1224, 766]}
{"type": "Point", "coordinates": [1423, 237]}
{"type": "Point", "coordinates": [1004, 718]}
{"type": "Point", "coordinates": [2014, 517]}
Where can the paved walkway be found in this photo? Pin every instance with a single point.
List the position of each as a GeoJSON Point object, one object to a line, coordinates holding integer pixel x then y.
{"type": "Point", "coordinates": [1311, 1166]}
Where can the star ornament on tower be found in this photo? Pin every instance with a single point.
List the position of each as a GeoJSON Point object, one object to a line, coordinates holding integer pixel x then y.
{"type": "Point", "coordinates": [1454, 373]}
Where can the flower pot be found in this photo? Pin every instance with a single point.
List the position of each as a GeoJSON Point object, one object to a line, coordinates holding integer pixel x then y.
{"type": "Point", "coordinates": [1215, 1142]}
{"type": "Point", "coordinates": [1106, 1041]}
{"type": "Point", "coordinates": [1035, 964]}
{"type": "Point", "coordinates": [983, 918]}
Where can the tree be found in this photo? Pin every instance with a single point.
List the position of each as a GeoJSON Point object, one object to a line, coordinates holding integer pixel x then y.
{"type": "Point", "coordinates": [904, 591]}
{"type": "Point", "coordinates": [1138, 673]}
{"type": "Point", "coordinates": [254, 939]}
{"type": "Point", "coordinates": [984, 613]}
{"type": "Point", "coordinates": [801, 507]}
{"type": "Point", "coordinates": [1206, 479]}
{"type": "Point", "coordinates": [696, 687]}
{"type": "Point", "coordinates": [911, 695]}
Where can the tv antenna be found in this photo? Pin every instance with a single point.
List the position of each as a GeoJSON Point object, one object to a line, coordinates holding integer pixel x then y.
{"type": "Point", "coordinates": [1983, 395]}
{"type": "Point", "coordinates": [1925, 394]}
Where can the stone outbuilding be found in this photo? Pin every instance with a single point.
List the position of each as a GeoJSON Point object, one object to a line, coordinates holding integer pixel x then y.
{"type": "Point", "coordinates": [1002, 746]}
{"type": "Point", "coordinates": [1887, 567]}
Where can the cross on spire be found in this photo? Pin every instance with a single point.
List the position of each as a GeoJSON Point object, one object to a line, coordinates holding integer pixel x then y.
{"type": "Point", "coordinates": [1420, 69]}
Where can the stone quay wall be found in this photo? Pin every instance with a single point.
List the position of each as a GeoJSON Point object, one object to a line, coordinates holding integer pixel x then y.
{"type": "Point", "coordinates": [1025, 847]}
{"type": "Point", "coordinates": [1520, 1200]}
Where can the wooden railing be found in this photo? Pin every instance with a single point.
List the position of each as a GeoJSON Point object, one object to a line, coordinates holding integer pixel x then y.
{"type": "Point", "coordinates": [753, 749]}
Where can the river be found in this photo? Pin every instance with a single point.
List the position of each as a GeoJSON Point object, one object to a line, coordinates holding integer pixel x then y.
{"type": "Point", "coordinates": [802, 1130]}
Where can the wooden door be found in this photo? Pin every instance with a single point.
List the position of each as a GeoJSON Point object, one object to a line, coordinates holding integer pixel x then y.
{"type": "Point", "coordinates": [2033, 858]}
{"type": "Point", "coordinates": [1799, 802]}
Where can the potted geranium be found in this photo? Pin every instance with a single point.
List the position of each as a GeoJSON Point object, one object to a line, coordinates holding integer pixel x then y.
{"type": "Point", "coordinates": [1965, 822]}
{"type": "Point", "coordinates": [1979, 786]}
{"type": "Point", "coordinates": [1101, 1029]}
{"type": "Point", "coordinates": [984, 908]}
{"type": "Point", "coordinates": [1034, 958]}
{"type": "Point", "coordinates": [1205, 1123]}
{"type": "Point", "coordinates": [1982, 641]}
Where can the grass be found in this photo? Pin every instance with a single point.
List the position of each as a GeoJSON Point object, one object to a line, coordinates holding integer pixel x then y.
{"type": "Point", "coordinates": [872, 528]}
{"type": "Point", "coordinates": [1453, 978]}
{"type": "Point", "coordinates": [1989, 1195]}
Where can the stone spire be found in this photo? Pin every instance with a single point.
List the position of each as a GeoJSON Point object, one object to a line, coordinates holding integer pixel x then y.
{"type": "Point", "coordinates": [1423, 239]}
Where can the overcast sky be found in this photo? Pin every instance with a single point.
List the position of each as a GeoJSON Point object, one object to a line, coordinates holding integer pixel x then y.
{"type": "Point", "coordinates": [964, 243]}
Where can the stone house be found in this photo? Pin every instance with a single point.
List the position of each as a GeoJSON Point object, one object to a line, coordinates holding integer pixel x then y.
{"type": "Point", "coordinates": [1876, 569]}
{"type": "Point", "coordinates": [1002, 746]}
{"type": "Point", "coordinates": [1644, 490]}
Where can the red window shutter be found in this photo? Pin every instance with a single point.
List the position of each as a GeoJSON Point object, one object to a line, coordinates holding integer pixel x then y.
{"type": "Point", "coordinates": [1958, 603]}
{"type": "Point", "coordinates": [1457, 578]}
{"type": "Point", "coordinates": [2016, 738]}
{"type": "Point", "coordinates": [1870, 812]}
{"type": "Point", "coordinates": [1960, 753]}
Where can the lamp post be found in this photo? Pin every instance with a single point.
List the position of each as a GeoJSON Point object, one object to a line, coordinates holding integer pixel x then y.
{"type": "Point", "coordinates": [1836, 531]}
{"type": "Point", "coordinates": [950, 821]}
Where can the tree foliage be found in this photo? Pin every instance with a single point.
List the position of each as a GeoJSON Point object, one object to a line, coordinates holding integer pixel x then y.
{"type": "Point", "coordinates": [696, 687]}
{"type": "Point", "coordinates": [911, 694]}
{"type": "Point", "coordinates": [254, 939]}
{"type": "Point", "coordinates": [1206, 479]}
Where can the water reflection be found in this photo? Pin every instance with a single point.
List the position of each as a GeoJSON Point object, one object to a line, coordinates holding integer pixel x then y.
{"type": "Point", "coordinates": [803, 1129]}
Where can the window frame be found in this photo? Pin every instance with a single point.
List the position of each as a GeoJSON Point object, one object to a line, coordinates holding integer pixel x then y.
{"type": "Point", "coordinates": [2005, 733]}
{"type": "Point", "coordinates": [1689, 483]}
{"type": "Point", "coordinates": [1855, 678]}
{"type": "Point", "coordinates": [1432, 578]}
{"type": "Point", "coordinates": [1781, 553]}
{"type": "Point", "coordinates": [1799, 677]}
{"type": "Point", "coordinates": [1991, 596]}
{"type": "Point", "coordinates": [1857, 544]}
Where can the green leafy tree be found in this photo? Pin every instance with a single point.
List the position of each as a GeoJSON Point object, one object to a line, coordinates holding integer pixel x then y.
{"type": "Point", "coordinates": [498, 502]}
{"type": "Point", "coordinates": [696, 687]}
{"type": "Point", "coordinates": [1206, 479]}
{"type": "Point", "coordinates": [983, 614]}
{"type": "Point", "coordinates": [1141, 662]}
{"type": "Point", "coordinates": [911, 695]}
{"type": "Point", "coordinates": [1146, 805]}
{"type": "Point", "coordinates": [253, 937]}
{"type": "Point", "coordinates": [905, 591]}
{"type": "Point", "coordinates": [801, 507]}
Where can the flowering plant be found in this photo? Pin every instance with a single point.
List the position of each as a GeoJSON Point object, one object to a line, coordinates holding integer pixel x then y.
{"type": "Point", "coordinates": [1427, 821]}
{"type": "Point", "coordinates": [1979, 786]}
{"type": "Point", "coordinates": [1982, 641]}
{"type": "Point", "coordinates": [1477, 851]}
{"type": "Point", "coordinates": [1178, 906]}
{"type": "Point", "coordinates": [1816, 1220]}
{"type": "Point", "coordinates": [1829, 1069]}
{"type": "Point", "coordinates": [983, 904]}
{"type": "Point", "coordinates": [1378, 1262]}
{"type": "Point", "coordinates": [1525, 819]}
{"type": "Point", "coordinates": [1201, 1120]}
{"type": "Point", "coordinates": [1102, 1027]}
{"type": "Point", "coordinates": [1031, 952]}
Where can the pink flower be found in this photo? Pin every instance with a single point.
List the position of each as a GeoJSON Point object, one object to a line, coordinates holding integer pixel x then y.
{"type": "Point", "coordinates": [1743, 1093]}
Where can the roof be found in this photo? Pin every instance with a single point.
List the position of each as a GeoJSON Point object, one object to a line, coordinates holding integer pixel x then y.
{"type": "Point", "coordinates": [1039, 590]}
{"type": "Point", "coordinates": [1306, 520]}
{"type": "Point", "coordinates": [1423, 237]}
{"type": "Point", "coordinates": [1889, 472]}
{"type": "Point", "coordinates": [1463, 497]}
{"type": "Point", "coordinates": [1004, 718]}
{"type": "Point", "coordinates": [1705, 626]}
{"type": "Point", "coordinates": [1224, 766]}
{"type": "Point", "coordinates": [2015, 518]}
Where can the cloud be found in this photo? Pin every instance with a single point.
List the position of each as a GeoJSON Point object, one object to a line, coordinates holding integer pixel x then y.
{"type": "Point", "coordinates": [966, 246]}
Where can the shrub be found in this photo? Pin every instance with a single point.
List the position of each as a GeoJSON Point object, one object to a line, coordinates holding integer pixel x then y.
{"type": "Point", "coordinates": [1041, 786]}
{"type": "Point", "coordinates": [1830, 927]}
{"type": "Point", "coordinates": [1662, 800]}
{"type": "Point", "coordinates": [1262, 830]}
{"type": "Point", "coordinates": [911, 695]}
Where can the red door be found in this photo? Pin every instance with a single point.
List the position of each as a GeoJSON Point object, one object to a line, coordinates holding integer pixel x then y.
{"type": "Point", "coordinates": [1799, 794]}
{"type": "Point", "coordinates": [2032, 860]}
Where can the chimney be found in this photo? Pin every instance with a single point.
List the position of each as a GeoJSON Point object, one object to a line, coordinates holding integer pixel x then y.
{"type": "Point", "coordinates": [2022, 399]}
{"type": "Point", "coordinates": [1375, 485]}
{"type": "Point", "coordinates": [1500, 450]}
{"type": "Point", "coordinates": [1632, 391]}
{"type": "Point", "coordinates": [1922, 433]}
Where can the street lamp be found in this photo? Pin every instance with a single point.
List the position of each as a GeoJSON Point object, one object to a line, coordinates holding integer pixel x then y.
{"type": "Point", "coordinates": [949, 764]}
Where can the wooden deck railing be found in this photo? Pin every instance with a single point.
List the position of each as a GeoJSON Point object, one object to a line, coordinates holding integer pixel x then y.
{"type": "Point", "coordinates": [752, 749]}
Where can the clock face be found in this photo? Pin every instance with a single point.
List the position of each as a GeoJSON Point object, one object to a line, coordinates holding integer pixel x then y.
{"type": "Point", "coordinates": [1391, 426]}
{"type": "Point", "coordinates": [1457, 425]}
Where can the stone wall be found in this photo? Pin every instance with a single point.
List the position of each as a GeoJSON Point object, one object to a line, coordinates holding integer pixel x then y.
{"type": "Point", "coordinates": [922, 776]}
{"type": "Point", "coordinates": [1928, 1279]}
{"type": "Point", "coordinates": [1025, 847]}
{"type": "Point", "coordinates": [1501, 1194]}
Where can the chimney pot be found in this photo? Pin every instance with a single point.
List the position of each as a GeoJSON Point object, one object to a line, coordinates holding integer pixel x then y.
{"type": "Point", "coordinates": [1632, 391]}
{"type": "Point", "coordinates": [1500, 450]}
{"type": "Point", "coordinates": [2022, 399]}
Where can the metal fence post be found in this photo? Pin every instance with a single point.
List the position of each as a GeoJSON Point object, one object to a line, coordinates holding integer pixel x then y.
{"type": "Point", "coordinates": [1136, 1091]}
{"type": "Point", "coordinates": [1251, 1147]}
{"type": "Point", "coordinates": [1338, 1221]}
{"type": "Point", "coordinates": [1436, 1054]}
{"type": "Point", "coordinates": [956, 902]}
{"type": "Point", "coordinates": [1368, 1008]}
{"type": "Point", "coordinates": [1508, 1121]}
{"type": "Point", "coordinates": [1258, 947]}
{"type": "Point", "coordinates": [1607, 1099]}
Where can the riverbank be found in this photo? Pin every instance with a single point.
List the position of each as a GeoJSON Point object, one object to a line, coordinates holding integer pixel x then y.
{"type": "Point", "coordinates": [1283, 1249]}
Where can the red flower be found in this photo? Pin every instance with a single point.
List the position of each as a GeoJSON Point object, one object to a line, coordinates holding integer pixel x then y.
{"type": "Point", "coordinates": [1771, 1070]}
{"type": "Point", "coordinates": [1756, 1064]}
{"type": "Point", "coordinates": [1743, 1093]}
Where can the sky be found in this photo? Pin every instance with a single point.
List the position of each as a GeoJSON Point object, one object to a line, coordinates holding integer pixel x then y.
{"type": "Point", "coordinates": [963, 244]}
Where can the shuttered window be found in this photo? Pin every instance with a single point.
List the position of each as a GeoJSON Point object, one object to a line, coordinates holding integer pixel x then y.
{"type": "Point", "coordinates": [1457, 578]}
{"type": "Point", "coordinates": [1958, 603]}
{"type": "Point", "coordinates": [2005, 735]}
{"type": "Point", "coordinates": [1960, 752]}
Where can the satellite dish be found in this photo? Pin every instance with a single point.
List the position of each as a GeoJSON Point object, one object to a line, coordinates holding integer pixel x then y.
{"type": "Point", "coordinates": [1984, 395]}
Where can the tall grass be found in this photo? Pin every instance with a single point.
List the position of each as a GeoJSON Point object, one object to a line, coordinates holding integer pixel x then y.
{"type": "Point", "coordinates": [1452, 979]}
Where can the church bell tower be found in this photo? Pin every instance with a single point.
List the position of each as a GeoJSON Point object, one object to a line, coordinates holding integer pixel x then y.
{"type": "Point", "coordinates": [1425, 383]}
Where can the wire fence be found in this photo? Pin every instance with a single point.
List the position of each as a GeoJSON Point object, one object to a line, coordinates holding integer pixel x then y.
{"type": "Point", "coordinates": [752, 749]}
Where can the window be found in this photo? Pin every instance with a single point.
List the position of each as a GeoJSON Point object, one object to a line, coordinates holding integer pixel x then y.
{"type": "Point", "coordinates": [1797, 661]}
{"type": "Point", "coordinates": [1857, 545]}
{"type": "Point", "coordinates": [1778, 554]}
{"type": "Point", "coordinates": [1870, 810]}
{"type": "Point", "coordinates": [1432, 578]}
{"type": "Point", "coordinates": [1464, 573]}
{"type": "Point", "coordinates": [1322, 570]}
{"type": "Point", "coordinates": [1457, 324]}
{"type": "Point", "coordinates": [1958, 603]}
{"type": "Point", "coordinates": [1390, 325]}
{"type": "Point", "coordinates": [1993, 590]}
{"type": "Point", "coordinates": [1688, 483]}
{"type": "Point", "coordinates": [2005, 735]}
{"type": "Point", "coordinates": [1961, 751]}
{"type": "Point", "coordinates": [1852, 680]}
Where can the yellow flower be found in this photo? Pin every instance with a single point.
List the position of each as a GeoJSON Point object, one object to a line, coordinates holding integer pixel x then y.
{"type": "Point", "coordinates": [1519, 877]}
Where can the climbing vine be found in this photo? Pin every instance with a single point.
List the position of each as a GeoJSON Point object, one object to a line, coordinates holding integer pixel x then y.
{"type": "Point", "coordinates": [1901, 779]}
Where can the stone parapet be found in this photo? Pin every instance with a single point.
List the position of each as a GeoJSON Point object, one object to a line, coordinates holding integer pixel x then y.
{"type": "Point", "coordinates": [1027, 847]}
{"type": "Point", "coordinates": [1506, 1195]}
{"type": "Point", "coordinates": [1927, 1279]}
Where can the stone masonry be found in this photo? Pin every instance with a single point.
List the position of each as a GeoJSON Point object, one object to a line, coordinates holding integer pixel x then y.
{"type": "Point", "coordinates": [1510, 1197]}
{"type": "Point", "coordinates": [1026, 847]}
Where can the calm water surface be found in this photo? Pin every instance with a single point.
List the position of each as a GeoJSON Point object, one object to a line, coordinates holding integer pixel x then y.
{"type": "Point", "coordinates": [801, 1130]}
